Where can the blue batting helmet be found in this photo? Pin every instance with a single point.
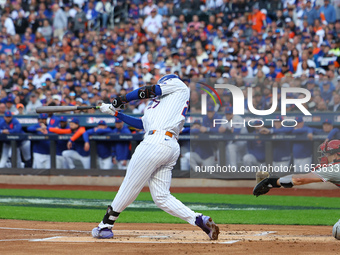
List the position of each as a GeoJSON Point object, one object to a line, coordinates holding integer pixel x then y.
{"type": "Point", "coordinates": [167, 77]}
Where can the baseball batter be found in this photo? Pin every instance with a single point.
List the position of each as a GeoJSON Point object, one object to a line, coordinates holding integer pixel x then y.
{"type": "Point", "coordinates": [156, 155]}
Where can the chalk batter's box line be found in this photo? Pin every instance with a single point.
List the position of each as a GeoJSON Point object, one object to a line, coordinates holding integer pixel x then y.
{"type": "Point", "coordinates": [54, 238]}
{"type": "Point", "coordinates": [48, 230]}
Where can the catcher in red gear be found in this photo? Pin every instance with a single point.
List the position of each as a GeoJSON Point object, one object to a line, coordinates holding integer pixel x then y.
{"type": "Point", "coordinates": [328, 169]}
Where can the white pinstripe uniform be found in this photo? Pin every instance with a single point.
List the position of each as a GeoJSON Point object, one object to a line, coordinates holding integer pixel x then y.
{"type": "Point", "coordinates": [156, 155]}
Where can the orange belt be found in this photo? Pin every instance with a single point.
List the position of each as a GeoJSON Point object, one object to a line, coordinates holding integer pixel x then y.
{"type": "Point", "coordinates": [151, 132]}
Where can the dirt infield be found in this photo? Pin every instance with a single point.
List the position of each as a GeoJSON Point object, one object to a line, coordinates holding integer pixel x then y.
{"type": "Point", "coordinates": [28, 237]}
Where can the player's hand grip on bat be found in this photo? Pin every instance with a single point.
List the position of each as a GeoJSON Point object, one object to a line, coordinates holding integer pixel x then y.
{"type": "Point", "coordinates": [108, 109]}
{"type": "Point", "coordinates": [150, 91]}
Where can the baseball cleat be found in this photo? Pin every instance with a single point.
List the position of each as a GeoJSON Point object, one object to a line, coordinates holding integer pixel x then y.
{"type": "Point", "coordinates": [208, 226]}
{"type": "Point", "coordinates": [102, 233]}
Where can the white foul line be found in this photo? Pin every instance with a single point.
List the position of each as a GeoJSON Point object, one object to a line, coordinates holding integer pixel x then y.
{"type": "Point", "coordinates": [265, 233]}
{"type": "Point", "coordinates": [45, 239]}
{"type": "Point", "coordinates": [50, 230]}
{"type": "Point", "coordinates": [11, 240]}
{"type": "Point", "coordinates": [259, 234]}
{"type": "Point", "coordinates": [230, 242]}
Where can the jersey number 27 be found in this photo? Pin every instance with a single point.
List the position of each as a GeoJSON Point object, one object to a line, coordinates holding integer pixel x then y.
{"type": "Point", "coordinates": [184, 112]}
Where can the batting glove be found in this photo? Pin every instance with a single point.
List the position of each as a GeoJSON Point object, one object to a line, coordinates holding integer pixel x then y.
{"type": "Point", "coordinates": [108, 109]}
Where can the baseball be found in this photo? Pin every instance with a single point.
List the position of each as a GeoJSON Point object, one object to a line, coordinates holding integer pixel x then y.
{"type": "Point", "coordinates": [336, 230]}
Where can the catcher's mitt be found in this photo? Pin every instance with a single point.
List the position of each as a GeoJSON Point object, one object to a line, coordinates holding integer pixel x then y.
{"type": "Point", "coordinates": [262, 187]}
{"type": "Point", "coordinates": [261, 175]}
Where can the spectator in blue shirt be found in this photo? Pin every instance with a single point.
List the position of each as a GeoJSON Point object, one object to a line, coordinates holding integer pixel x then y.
{"type": "Point", "coordinates": [162, 9]}
{"type": "Point", "coordinates": [329, 11]}
{"type": "Point", "coordinates": [326, 92]}
{"type": "Point", "coordinates": [310, 14]}
{"type": "Point", "coordinates": [272, 73]}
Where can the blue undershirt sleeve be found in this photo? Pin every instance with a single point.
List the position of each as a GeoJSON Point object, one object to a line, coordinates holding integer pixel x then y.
{"type": "Point", "coordinates": [132, 121]}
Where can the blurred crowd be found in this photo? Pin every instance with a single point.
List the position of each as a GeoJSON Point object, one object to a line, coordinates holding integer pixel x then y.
{"type": "Point", "coordinates": [85, 52]}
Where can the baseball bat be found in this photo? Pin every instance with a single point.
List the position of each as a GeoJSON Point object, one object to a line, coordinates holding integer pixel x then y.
{"type": "Point", "coordinates": [48, 109]}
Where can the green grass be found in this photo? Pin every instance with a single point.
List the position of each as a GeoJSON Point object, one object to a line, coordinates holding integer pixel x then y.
{"type": "Point", "coordinates": [240, 208]}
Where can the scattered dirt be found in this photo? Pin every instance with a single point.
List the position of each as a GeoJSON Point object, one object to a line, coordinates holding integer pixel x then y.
{"type": "Point", "coordinates": [29, 237]}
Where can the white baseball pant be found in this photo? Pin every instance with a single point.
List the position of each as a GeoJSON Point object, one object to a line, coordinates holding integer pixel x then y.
{"type": "Point", "coordinates": [250, 160]}
{"type": "Point", "coordinates": [71, 155]}
{"type": "Point", "coordinates": [41, 161]}
{"type": "Point", "coordinates": [152, 162]}
{"type": "Point", "coordinates": [25, 148]}
{"type": "Point", "coordinates": [196, 160]}
{"type": "Point", "coordinates": [105, 163]}
{"type": "Point", "coordinates": [6, 153]}
{"type": "Point", "coordinates": [235, 151]}
{"type": "Point", "coordinates": [120, 165]}
{"type": "Point", "coordinates": [60, 162]}
{"type": "Point", "coordinates": [185, 161]}
{"type": "Point", "coordinates": [185, 156]}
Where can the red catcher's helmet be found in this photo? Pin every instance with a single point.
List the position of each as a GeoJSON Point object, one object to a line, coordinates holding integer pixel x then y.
{"type": "Point", "coordinates": [328, 148]}
{"type": "Point", "coordinates": [332, 147]}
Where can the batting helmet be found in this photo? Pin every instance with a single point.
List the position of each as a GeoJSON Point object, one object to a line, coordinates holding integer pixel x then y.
{"type": "Point", "coordinates": [167, 77]}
